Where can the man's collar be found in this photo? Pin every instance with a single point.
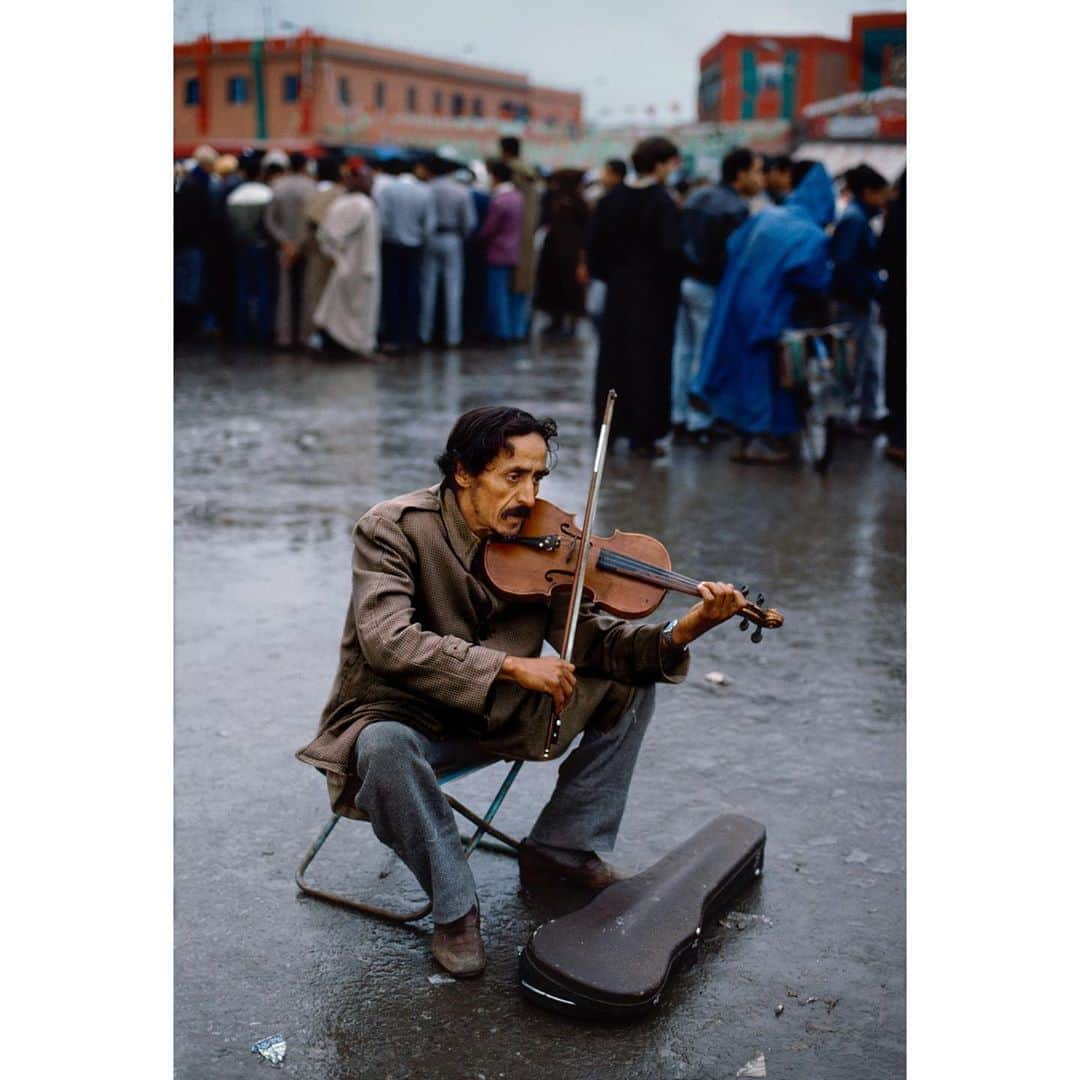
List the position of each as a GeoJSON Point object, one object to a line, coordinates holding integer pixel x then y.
{"type": "Point", "coordinates": [463, 540]}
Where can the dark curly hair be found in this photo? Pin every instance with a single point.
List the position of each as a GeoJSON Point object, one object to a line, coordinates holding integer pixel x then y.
{"type": "Point", "coordinates": [480, 435]}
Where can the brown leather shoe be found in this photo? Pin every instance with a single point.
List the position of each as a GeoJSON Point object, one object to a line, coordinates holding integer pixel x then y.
{"type": "Point", "coordinates": [538, 869]}
{"type": "Point", "coordinates": [458, 946]}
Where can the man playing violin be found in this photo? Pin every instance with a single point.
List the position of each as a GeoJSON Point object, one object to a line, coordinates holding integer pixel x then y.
{"type": "Point", "coordinates": [437, 670]}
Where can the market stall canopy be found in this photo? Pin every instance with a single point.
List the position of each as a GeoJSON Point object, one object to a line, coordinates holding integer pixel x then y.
{"type": "Point", "coordinates": [875, 114]}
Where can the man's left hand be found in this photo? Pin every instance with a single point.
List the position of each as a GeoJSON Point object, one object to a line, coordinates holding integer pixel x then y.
{"type": "Point", "coordinates": [717, 604]}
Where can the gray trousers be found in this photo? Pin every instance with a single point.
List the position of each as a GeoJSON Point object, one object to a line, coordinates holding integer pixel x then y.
{"type": "Point", "coordinates": [409, 813]}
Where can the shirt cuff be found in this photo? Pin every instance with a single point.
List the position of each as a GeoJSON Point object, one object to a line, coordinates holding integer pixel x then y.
{"type": "Point", "coordinates": [674, 664]}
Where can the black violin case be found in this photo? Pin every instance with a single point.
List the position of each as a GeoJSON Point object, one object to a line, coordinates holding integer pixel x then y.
{"type": "Point", "coordinates": [612, 959]}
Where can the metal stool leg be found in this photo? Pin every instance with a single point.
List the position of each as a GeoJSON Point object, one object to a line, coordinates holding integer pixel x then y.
{"type": "Point", "coordinates": [483, 825]}
{"type": "Point", "coordinates": [344, 901]}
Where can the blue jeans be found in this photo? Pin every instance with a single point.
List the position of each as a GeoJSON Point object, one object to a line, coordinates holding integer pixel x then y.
{"type": "Point", "coordinates": [690, 325]}
{"type": "Point", "coordinates": [444, 259]}
{"type": "Point", "coordinates": [253, 317]}
{"type": "Point", "coordinates": [869, 359]}
{"type": "Point", "coordinates": [520, 315]}
{"type": "Point", "coordinates": [497, 303]}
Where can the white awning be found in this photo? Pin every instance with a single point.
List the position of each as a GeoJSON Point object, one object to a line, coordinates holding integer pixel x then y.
{"type": "Point", "coordinates": [864, 98]}
{"type": "Point", "coordinates": [889, 159]}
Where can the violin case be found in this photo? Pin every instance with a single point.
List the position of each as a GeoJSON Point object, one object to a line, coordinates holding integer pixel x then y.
{"type": "Point", "coordinates": [612, 959]}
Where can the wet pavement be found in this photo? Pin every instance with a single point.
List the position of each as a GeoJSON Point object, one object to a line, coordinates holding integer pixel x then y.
{"type": "Point", "coordinates": [275, 456]}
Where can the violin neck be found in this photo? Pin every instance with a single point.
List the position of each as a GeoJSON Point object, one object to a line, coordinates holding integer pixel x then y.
{"type": "Point", "coordinates": [617, 563]}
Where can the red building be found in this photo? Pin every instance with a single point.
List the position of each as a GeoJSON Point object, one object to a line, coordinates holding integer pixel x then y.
{"type": "Point", "coordinates": [757, 77]}
{"type": "Point", "coordinates": [300, 91]}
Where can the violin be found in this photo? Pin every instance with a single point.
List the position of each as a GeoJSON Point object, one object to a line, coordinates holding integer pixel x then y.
{"type": "Point", "coordinates": [537, 561]}
{"type": "Point", "coordinates": [627, 574]}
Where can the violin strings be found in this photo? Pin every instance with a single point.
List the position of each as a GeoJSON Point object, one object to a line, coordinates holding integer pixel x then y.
{"type": "Point", "coordinates": [629, 563]}
{"type": "Point", "coordinates": [613, 560]}
{"type": "Point", "coordinates": [617, 561]}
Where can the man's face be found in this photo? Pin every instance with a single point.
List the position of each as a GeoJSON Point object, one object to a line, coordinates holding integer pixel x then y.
{"type": "Point", "coordinates": [610, 178]}
{"type": "Point", "coordinates": [502, 496]}
{"type": "Point", "coordinates": [875, 198]}
{"type": "Point", "coordinates": [750, 181]}
{"type": "Point", "coordinates": [778, 181]}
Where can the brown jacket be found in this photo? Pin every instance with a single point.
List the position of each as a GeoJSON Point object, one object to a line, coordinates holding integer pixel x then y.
{"type": "Point", "coordinates": [425, 638]}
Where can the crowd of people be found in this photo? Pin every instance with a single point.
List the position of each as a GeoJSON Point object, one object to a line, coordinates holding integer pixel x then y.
{"type": "Point", "coordinates": [689, 284]}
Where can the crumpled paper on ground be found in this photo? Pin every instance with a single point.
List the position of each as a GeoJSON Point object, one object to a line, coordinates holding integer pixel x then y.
{"type": "Point", "coordinates": [755, 1067]}
{"type": "Point", "coordinates": [272, 1048]}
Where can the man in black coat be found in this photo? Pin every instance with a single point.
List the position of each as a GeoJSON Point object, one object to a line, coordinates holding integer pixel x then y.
{"type": "Point", "coordinates": [636, 248]}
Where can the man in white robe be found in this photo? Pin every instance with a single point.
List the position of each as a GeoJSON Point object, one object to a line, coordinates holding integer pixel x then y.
{"type": "Point", "coordinates": [348, 312]}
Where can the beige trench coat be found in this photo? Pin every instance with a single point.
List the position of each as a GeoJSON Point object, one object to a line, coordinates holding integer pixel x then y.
{"type": "Point", "coordinates": [349, 307]}
{"type": "Point", "coordinates": [317, 266]}
{"type": "Point", "coordinates": [425, 638]}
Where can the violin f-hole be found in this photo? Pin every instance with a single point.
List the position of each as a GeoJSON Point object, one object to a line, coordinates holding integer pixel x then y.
{"type": "Point", "coordinates": [553, 576]}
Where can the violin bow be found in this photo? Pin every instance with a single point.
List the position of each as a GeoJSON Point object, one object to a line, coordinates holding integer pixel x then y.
{"type": "Point", "coordinates": [585, 541]}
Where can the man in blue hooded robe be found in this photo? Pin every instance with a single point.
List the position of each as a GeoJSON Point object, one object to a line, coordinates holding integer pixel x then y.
{"type": "Point", "coordinates": [773, 259]}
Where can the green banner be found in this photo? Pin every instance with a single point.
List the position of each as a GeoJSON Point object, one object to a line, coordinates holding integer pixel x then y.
{"type": "Point", "coordinates": [787, 86]}
{"type": "Point", "coordinates": [257, 48]}
{"type": "Point", "coordinates": [874, 75]}
{"type": "Point", "coordinates": [749, 84]}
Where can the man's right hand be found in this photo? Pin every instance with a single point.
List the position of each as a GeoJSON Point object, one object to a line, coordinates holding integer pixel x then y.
{"type": "Point", "coordinates": [547, 674]}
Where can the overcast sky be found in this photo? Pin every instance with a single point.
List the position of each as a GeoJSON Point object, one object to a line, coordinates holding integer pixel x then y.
{"type": "Point", "coordinates": [623, 55]}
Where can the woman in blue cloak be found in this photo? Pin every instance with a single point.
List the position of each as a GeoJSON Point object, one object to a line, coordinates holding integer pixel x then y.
{"type": "Point", "coordinates": [773, 259]}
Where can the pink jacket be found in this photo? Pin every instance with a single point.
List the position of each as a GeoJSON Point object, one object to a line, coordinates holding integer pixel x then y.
{"type": "Point", "coordinates": [501, 231]}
